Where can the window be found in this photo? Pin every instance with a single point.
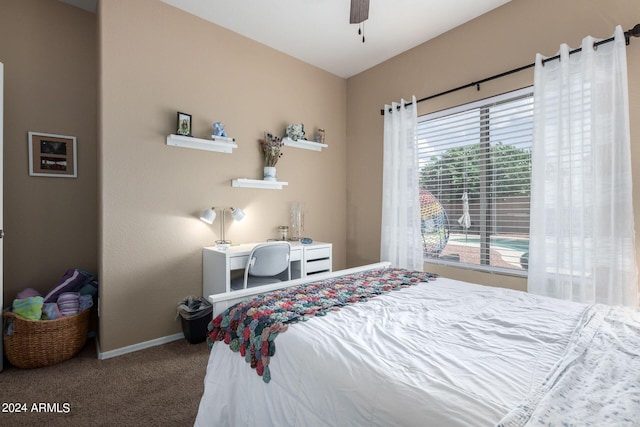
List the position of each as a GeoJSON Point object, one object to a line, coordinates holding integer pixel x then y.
{"type": "Point", "coordinates": [475, 182]}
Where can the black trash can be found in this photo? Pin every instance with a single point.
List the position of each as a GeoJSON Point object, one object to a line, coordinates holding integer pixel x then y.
{"type": "Point", "coordinates": [195, 314]}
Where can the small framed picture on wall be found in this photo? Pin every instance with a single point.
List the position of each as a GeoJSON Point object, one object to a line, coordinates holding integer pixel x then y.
{"type": "Point", "coordinates": [184, 124]}
{"type": "Point", "coordinates": [52, 155]}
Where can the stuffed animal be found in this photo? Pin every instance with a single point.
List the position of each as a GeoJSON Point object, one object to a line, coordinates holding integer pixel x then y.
{"type": "Point", "coordinates": [218, 129]}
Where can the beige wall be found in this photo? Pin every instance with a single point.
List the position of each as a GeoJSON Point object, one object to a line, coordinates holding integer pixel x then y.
{"type": "Point", "coordinates": [501, 40]}
{"type": "Point", "coordinates": [51, 87]}
{"type": "Point", "coordinates": [156, 60]}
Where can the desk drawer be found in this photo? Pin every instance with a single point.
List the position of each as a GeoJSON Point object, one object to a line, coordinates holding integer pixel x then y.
{"type": "Point", "coordinates": [318, 266]}
{"type": "Point", "coordinates": [238, 262]}
{"type": "Point", "coordinates": [296, 254]}
{"type": "Point", "coordinates": [317, 253]}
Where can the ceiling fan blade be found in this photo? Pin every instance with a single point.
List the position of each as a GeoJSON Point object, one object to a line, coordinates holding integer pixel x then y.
{"type": "Point", "coordinates": [359, 11]}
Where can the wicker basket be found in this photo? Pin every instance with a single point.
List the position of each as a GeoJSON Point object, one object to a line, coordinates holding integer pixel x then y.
{"type": "Point", "coordinates": [39, 343]}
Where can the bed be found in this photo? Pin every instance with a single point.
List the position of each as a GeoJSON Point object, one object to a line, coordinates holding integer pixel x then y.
{"type": "Point", "coordinates": [441, 353]}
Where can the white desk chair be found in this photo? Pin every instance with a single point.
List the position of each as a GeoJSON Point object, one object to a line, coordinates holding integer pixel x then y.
{"type": "Point", "coordinates": [266, 262]}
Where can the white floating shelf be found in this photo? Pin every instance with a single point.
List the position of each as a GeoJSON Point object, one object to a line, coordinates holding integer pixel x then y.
{"type": "Point", "coordinates": [201, 144]}
{"type": "Point", "coordinates": [303, 143]}
{"type": "Point", "coordinates": [258, 183]}
{"type": "Point", "coordinates": [226, 139]}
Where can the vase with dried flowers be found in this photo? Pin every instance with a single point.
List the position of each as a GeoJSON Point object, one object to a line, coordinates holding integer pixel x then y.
{"type": "Point", "coordinates": [270, 147]}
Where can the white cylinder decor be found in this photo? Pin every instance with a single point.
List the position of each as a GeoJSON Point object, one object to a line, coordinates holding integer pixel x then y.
{"type": "Point", "coordinates": [269, 173]}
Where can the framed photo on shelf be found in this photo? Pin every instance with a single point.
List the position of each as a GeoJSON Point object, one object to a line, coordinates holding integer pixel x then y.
{"type": "Point", "coordinates": [52, 155]}
{"type": "Point", "coordinates": [184, 124]}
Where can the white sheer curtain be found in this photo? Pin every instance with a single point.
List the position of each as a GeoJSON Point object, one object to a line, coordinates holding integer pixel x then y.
{"type": "Point", "coordinates": [401, 238]}
{"type": "Point", "coordinates": [582, 245]}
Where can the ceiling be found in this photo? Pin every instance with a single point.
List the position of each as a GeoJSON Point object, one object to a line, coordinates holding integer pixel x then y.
{"type": "Point", "coordinates": [318, 31]}
{"type": "Point", "coordinates": [88, 5]}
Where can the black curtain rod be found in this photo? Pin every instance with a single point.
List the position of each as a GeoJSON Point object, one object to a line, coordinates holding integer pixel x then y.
{"type": "Point", "coordinates": [635, 32]}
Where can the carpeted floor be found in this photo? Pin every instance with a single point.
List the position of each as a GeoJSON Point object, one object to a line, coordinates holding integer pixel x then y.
{"type": "Point", "coordinates": [159, 386]}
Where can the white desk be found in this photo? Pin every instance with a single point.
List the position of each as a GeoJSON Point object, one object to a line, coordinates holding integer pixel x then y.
{"type": "Point", "coordinates": [217, 264]}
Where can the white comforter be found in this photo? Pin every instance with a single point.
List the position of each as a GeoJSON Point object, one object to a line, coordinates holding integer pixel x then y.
{"type": "Point", "coordinates": [446, 353]}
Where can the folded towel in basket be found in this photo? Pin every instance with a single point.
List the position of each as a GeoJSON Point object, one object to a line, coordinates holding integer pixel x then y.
{"type": "Point", "coordinates": [50, 311]}
{"type": "Point", "coordinates": [29, 292]}
{"type": "Point", "coordinates": [68, 303]}
{"type": "Point", "coordinates": [29, 308]}
{"type": "Point", "coordinates": [85, 302]}
{"type": "Point", "coordinates": [70, 282]}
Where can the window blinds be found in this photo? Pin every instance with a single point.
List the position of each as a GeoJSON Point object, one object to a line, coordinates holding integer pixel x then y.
{"type": "Point", "coordinates": [481, 152]}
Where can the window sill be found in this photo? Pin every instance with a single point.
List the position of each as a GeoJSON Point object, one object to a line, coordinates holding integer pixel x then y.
{"type": "Point", "coordinates": [482, 268]}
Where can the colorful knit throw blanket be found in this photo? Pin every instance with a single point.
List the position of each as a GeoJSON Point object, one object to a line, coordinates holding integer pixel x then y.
{"type": "Point", "coordinates": [251, 326]}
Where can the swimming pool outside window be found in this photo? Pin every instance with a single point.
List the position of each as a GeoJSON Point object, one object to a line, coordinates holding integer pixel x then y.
{"type": "Point", "coordinates": [475, 163]}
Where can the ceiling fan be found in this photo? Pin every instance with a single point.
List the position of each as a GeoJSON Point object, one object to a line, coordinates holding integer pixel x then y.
{"type": "Point", "coordinates": [358, 14]}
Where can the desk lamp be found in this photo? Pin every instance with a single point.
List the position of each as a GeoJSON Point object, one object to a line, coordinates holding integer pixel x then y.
{"type": "Point", "coordinates": [209, 216]}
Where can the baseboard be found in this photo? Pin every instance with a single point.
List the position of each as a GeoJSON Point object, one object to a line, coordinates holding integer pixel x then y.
{"type": "Point", "coordinates": [135, 347]}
